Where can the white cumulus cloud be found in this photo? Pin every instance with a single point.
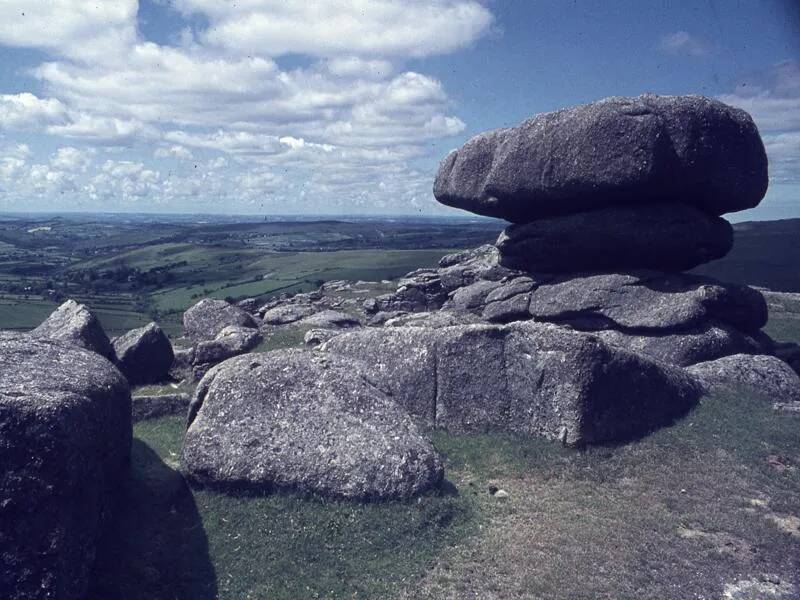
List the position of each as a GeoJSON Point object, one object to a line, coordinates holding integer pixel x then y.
{"type": "Point", "coordinates": [341, 130]}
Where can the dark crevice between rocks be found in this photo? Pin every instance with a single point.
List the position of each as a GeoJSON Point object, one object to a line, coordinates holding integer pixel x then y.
{"type": "Point", "coordinates": [249, 489]}
{"type": "Point", "coordinates": [595, 322]}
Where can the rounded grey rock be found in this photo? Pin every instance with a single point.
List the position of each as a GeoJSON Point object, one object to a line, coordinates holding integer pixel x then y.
{"type": "Point", "coordinates": [207, 318]}
{"type": "Point", "coordinates": [767, 376]}
{"type": "Point", "coordinates": [65, 442]}
{"type": "Point", "coordinates": [294, 419]}
{"type": "Point", "coordinates": [75, 324]}
{"type": "Point", "coordinates": [675, 149]}
{"type": "Point", "coordinates": [144, 355]}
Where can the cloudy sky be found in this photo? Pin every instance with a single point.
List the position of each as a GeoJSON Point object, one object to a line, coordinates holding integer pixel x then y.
{"type": "Point", "coordinates": [346, 106]}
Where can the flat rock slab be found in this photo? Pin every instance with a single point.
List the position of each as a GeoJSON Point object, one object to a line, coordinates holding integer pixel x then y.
{"type": "Point", "coordinates": [75, 324]}
{"type": "Point", "coordinates": [676, 149]}
{"type": "Point", "coordinates": [527, 378]}
{"type": "Point", "coordinates": [647, 302]}
{"type": "Point", "coordinates": [65, 442]}
{"type": "Point", "coordinates": [207, 318]}
{"type": "Point", "coordinates": [767, 376]}
{"type": "Point", "coordinates": [709, 341]}
{"type": "Point", "coordinates": [665, 237]}
{"type": "Point", "coordinates": [433, 319]}
{"type": "Point", "coordinates": [144, 355]}
{"type": "Point", "coordinates": [294, 419]}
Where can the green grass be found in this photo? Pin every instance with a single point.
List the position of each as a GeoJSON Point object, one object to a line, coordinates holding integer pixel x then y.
{"type": "Point", "coordinates": [670, 516]}
{"type": "Point", "coordinates": [784, 318]}
{"type": "Point", "coordinates": [19, 313]}
{"type": "Point", "coordinates": [172, 542]}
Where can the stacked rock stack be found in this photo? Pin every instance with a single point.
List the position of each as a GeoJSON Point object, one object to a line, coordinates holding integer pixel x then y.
{"type": "Point", "coordinates": [624, 183]}
{"type": "Point", "coordinates": [609, 203]}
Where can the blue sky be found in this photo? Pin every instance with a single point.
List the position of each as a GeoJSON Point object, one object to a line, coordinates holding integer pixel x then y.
{"type": "Point", "coordinates": [346, 106]}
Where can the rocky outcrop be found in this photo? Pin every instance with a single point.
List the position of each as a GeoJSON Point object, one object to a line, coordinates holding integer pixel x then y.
{"type": "Point", "coordinates": [600, 237]}
{"type": "Point", "coordinates": [676, 318]}
{"type": "Point", "coordinates": [618, 151]}
{"type": "Point", "coordinates": [428, 289]}
{"type": "Point", "coordinates": [294, 419]}
{"type": "Point", "coordinates": [65, 442]}
{"type": "Point", "coordinates": [766, 376]}
{"type": "Point", "coordinates": [75, 324]}
{"type": "Point", "coordinates": [144, 355]}
{"type": "Point", "coordinates": [205, 320]}
{"type": "Point", "coordinates": [667, 237]}
{"type": "Point", "coordinates": [526, 378]}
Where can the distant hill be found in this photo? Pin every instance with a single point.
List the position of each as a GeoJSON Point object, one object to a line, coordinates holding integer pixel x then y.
{"type": "Point", "coordinates": [765, 253]}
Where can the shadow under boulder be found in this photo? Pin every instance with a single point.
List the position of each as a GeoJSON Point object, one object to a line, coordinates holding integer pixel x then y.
{"type": "Point", "coordinates": [155, 547]}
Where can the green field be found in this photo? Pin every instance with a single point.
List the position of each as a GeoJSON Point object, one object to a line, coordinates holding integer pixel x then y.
{"type": "Point", "coordinates": [214, 273]}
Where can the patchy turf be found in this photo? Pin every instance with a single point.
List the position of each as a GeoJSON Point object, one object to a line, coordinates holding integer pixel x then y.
{"type": "Point", "coordinates": [706, 507]}
{"type": "Point", "coordinates": [680, 514]}
{"type": "Point", "coordinates": [172, 542]}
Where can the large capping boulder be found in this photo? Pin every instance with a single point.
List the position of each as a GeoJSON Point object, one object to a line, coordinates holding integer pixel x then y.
{"type": "Point", "coordinates": [666, 237]}
{"type": "Point", "coordinates": [649, 149]}
{"type": "Point", "coordinates": [144, 355]}
{"type": "Point", "coordinates": [298, 420]}
{"type": "Point", "coordinates": [207, 318]}
{"type": "Point", "coordinates": [527, 378]}
{"type": "Point", "coordinates": [75, 324]}
{"type": "Point", "coordinates": [65, 442]}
